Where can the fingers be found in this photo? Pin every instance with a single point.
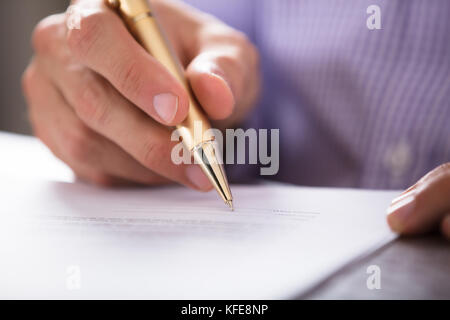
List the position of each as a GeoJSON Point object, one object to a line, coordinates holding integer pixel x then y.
{"type": "Point", "coordinates": [208, 81]}
{"type": "Point", "coordinates": [430, 175]}
{"type": "Point", "coordinates": [99, 74]}
{"type": "Point", "coordinates": [222, 65]}
{"type": "Point", "coordinates": [423, 207]}
{"type": "Point", "coordinates": [103, 44]}
{"type": "Point", "coordinates": [224, 75]}
{"type": "Point", "coordinates": [91, 156]}
{"type": "Point", "coordinates": [108, 113]}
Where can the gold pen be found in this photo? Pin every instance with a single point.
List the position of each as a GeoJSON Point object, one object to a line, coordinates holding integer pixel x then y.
{"type": "Point", "coordinates": [141, 21]}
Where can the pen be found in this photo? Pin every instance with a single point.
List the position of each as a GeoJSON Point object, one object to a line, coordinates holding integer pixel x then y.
{"type": "Point", "coordinates": [142, 23]}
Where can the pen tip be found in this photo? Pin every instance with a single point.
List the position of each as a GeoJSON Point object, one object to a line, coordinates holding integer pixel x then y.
{"type": "Point", "coordinates": [230, 204]}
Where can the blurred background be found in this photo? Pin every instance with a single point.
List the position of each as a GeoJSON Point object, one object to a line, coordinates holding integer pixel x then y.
{"type": "Point", "coordinates": [17, 20]}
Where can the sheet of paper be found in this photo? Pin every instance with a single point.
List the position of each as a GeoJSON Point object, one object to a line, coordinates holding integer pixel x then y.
{"type": "Point", "coordinates": [62, 240]}
{"type": "Point", "coordinates": [25, 157]}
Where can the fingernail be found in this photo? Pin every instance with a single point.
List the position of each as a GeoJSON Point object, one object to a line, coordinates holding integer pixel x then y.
{"type": "Point", "coordinates": [218, 73]}
{"type": "Point", "coordinates": [214, 70]}
{"type": "Point", "coordinates": [400, 211]}
{"type": "Point", "coordinates": [166, 106]}
{"type": "Point", "coordinates": [400, 197]}
{"type": "Point", "coordinates": [221, 75]}
{"type": "Point", "coordinates": [198, 177]}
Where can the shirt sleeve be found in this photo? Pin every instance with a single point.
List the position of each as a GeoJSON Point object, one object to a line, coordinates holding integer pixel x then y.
{"type": "Point", "coordinates": [238, 14]}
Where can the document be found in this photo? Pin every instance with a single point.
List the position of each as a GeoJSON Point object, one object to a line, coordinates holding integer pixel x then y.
{"type": "Point", "coordinates": [73, 241]}
{"type": "Point", "coordinates": [26, 157]}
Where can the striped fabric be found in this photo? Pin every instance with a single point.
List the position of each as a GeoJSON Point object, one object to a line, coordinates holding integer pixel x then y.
{"type": "Point", "coordinates": [355, 107]}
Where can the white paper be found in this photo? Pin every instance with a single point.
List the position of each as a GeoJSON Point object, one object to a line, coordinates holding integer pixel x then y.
{"type": "Point", "coordinates": [25, 157]}
{"type": "Point", "coordinates": [63, 240]}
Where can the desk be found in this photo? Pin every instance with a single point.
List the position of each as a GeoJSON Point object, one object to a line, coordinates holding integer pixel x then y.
{"type": "Point", "coordinates": [412, 268]}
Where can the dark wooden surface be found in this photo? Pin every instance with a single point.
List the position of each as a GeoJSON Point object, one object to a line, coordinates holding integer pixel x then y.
{"type": "Point", "coordinates": [411, 268]}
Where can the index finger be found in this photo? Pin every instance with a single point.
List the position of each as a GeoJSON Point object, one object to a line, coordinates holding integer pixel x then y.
{"type": "Point", "coordinates": [103, 44]}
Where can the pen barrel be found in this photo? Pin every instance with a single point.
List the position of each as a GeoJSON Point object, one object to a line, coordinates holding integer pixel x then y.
{"type": "Point", "coordinates": [142, 23]}
{"type": "Point", "coordinates": [194, 130]}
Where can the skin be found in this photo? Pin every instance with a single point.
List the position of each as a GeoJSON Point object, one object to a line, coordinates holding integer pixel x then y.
{"type": "Point", "coordinates": [425, 206]}
{"type": "Point", "coordinates": [91, 96]}
{"type": "Point", "coordinates": [91, 92]}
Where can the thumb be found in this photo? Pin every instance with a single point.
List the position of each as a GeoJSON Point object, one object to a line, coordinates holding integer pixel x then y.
{"type": "Point", "coordinates": [216, 82]}
{"type": "Point", "coordinates": [222, 64]}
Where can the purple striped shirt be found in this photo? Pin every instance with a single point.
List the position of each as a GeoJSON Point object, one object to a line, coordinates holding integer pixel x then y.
{"type": "Point", "coordinates": [355, 107]}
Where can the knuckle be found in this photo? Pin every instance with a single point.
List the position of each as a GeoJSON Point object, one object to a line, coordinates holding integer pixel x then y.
{"type": "Point", "coordinates": [253, 55]}
{"type": "Point", "coordinates": [91, 104]}
{"type": "Point", "coordinates": [239, 37]}
{"type": "Point", "coordinates": [440, 175]}
{"type": "Point", "coordinates": [78, 145]}
{"type": "Point", "coordinates": [81, 41]}
{"type": "Point", "coordinates": [247, 48]}
{"type": "Point", "coordinates": [148, 153]}
{"type": "Point", "coordinates": [445, 168]}
{"type": "Point", "coordinates": [43, 33]}
{"type": "Point", "coordinates": [151, 154]}
{"type": "Point", "coordinates": [39, 38]}
{"type": "Point", "coordinates": [130, 79]}
{"type": "Point", "coordinates": [446, 177]}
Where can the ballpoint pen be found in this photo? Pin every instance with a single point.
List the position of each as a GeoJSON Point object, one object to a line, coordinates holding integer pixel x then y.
{"type": "Point", "coordinates": [142, 23]}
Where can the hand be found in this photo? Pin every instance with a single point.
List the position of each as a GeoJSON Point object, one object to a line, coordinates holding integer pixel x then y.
{"type": "Point", "coordinates": [102, 104]}
{"type": "Point", "coordinates": [423, 206]}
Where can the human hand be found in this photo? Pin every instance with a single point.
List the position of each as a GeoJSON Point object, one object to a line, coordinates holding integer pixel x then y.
{"type": "Point", "coordinates": [102, 104]}
{"type": "Point", "coordinates": [423, 206]}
